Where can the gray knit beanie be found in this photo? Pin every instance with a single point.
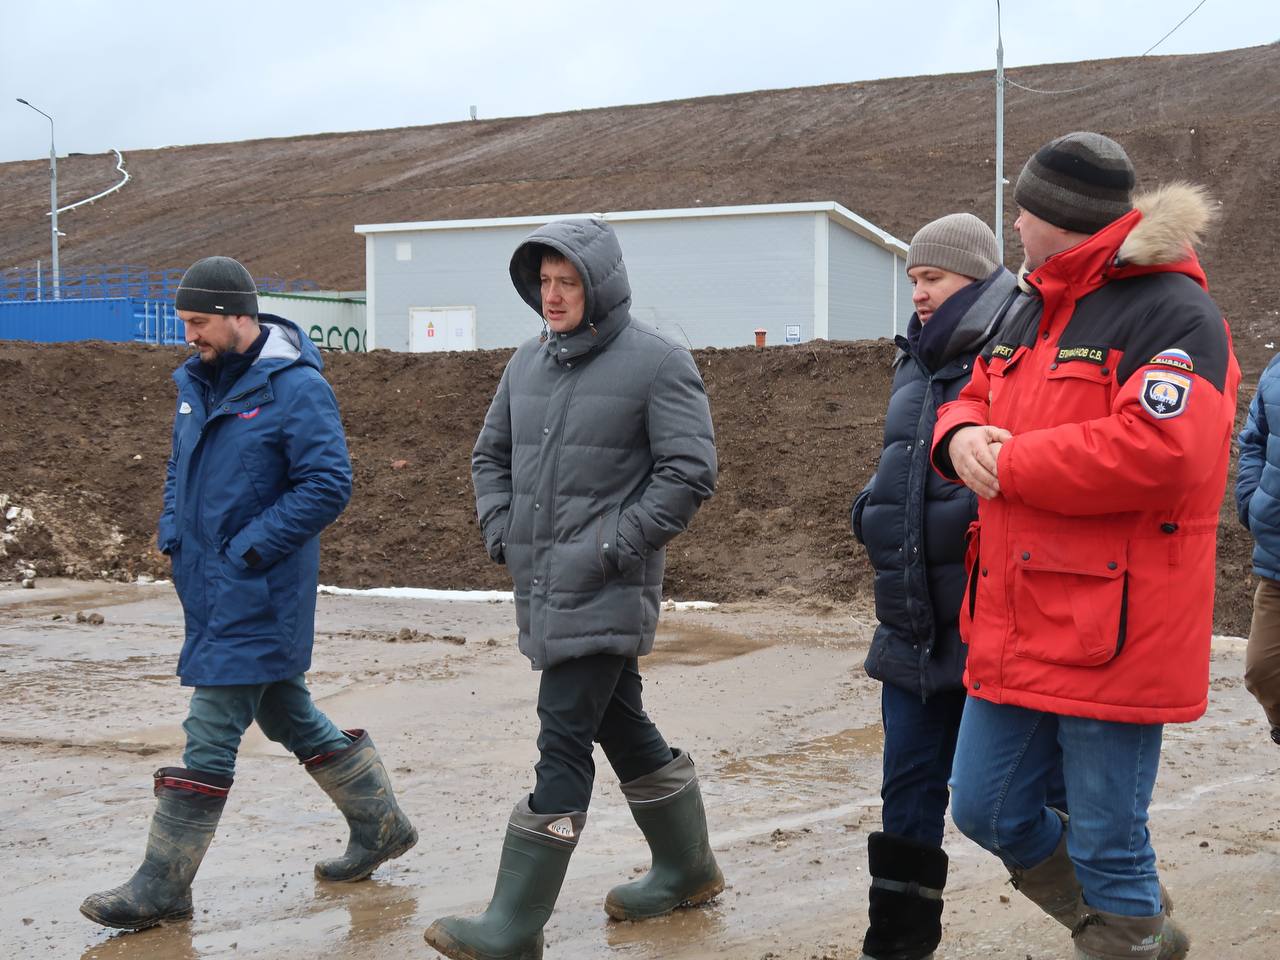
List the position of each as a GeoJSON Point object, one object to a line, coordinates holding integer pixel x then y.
{"type": "Point", "coordinates": [1080, 182]}
{"type": "Point", "coordinates": [218, 285]}
{"type": "Point", "coordinates": [958, 242]}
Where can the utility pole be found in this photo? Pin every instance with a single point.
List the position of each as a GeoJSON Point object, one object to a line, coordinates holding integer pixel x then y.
{"type": "Point", "coordinates": [53, 197]}
{"type": "Point", "coordinates": [999, 136]}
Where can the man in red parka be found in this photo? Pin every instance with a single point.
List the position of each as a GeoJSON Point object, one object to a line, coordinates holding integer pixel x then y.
{"type": "Point", "coordinates": [1096, 431]}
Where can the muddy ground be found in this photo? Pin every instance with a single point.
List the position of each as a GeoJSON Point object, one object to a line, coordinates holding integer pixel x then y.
{"type": "Point", "coordinates": [770, 700]}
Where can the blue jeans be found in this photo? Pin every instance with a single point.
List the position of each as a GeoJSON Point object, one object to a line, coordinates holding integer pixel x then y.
{"type": "Point", "coordinates": [919, 744]}
{"type": "Point", "coordinates": [999, 795]}
{"type": "Point", "coordinates": [219, 716]}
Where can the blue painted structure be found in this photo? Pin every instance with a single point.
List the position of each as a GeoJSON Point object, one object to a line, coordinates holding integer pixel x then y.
{"type": "Point", "coordinates": [117, 280]}
{"type": "Point", "coordinates": [119, 319]}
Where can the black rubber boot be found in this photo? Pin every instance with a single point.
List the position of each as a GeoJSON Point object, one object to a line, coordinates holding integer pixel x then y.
{"type": "Point", "coordinates": [188, 805]}
{"type": "Point", "coordinates": [907, 880]}
{"type": "Point", "coordinates": [1108, 936]}
{"type": "Point", "coordinates": [357, 782]}
{"type": "Point", "coordinates": [535, 856]}
{"type": "Point", "coordinates": [667, 807]}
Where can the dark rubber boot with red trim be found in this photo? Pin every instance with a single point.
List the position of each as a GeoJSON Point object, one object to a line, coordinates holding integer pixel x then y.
{"type": "Point", "coordinates": [357, 782]}
{"type": "Point", "coordinates": [188, 805]}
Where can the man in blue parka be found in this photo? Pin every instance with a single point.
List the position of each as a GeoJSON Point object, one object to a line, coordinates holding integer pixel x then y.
{"type": "Point", "coordinates": [258, 468]}
{"type": "Point", "coordinates": [1258, 501]}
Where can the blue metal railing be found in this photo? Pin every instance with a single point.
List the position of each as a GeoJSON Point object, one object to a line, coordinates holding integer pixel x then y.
{"type": "Point", "coordinates": [119, 280]}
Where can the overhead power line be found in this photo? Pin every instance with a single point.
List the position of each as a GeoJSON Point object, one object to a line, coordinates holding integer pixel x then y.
{"type": "Point", "coordinates": [1015, 83]}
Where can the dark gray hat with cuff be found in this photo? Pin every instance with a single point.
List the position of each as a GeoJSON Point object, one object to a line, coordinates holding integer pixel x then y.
{"type": "Point", "coordinates": [1080, 182]}
{"type": "Point", "coordinates": [218, 285]}
{"type": "Point", "coordinates": [958, 242]}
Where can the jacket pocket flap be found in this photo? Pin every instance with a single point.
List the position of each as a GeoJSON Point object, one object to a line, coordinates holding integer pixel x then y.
{"type": "Point", "coordinates": [1108, 561]}
{"type": "Point", "coordinates": [1079, 370]}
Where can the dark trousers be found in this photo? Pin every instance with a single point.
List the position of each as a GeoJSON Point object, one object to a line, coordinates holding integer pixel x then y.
{"type": "Point", "coordinates": [919, 746]}
{"type": "Point", "coordinates": [919, 743]}
{"type": "Point", "coordinates": [590, 700]}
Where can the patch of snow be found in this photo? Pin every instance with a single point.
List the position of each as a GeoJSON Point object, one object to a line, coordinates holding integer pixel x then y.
{"type": "Point", "coordinates": [475, 596]}
{"type": "Point", "coordinates": [418, 593]}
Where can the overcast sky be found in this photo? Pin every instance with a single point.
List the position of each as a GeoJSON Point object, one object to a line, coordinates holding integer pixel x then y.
{"type": "Point", "coordinates": [146, 73]}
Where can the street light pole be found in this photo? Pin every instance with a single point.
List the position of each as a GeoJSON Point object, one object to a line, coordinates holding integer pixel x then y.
{"type": "Point", "coordinates": [999, 135]}
{"type": "Point", "coordinates": [53, 196]}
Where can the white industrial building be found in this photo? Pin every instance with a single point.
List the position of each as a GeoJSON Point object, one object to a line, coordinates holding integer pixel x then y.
{"type": "Point", "coordinates": [710, 277]}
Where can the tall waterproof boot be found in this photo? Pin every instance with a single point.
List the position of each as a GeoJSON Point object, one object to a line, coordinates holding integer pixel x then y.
{"type": "Point", "coordinates": [535, 856]}
{"type": "Point", "coordinates": [1108, 936]}
{"type": "Point", "coordinates": [1054, 888]}
{"type": "Point", "coordinates": [357, 782]}
{"type": "Point", "coordinates": [907, 880]}
{"type": "Point", "coordinates": [1052, 885]}
{"type": "Point", "coordinates": [188, 805]}
{"type": "Point", "coordinates": [667, 807]}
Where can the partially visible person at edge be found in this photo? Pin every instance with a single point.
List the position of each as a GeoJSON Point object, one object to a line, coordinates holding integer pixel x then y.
{"type": "Point", "coordinates": [913, 524]}
{"type": "Point", "coordinates": [1258, 501]}
{"type": "Point", "coordinates": [1096, 430]}
{"type": "Point", "coordinates": [259, 467]}
{"type": "Point", "coordinates": [596, 451]}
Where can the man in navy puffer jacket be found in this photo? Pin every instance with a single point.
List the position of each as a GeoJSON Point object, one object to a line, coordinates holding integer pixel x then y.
{"type": "Point", "coordinates": [913, 525]}
{"type": "Point", "coordinates": [1258, 500]}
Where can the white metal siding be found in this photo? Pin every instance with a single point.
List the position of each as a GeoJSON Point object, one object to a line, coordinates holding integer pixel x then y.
{"type": "Point", "coordinates": [861, 280]}
{"type": "Point", "coordinates": [450, 268]}
{"type": "Point", "coordinates": [712, 282]}
{"type": "Point", "coordinates": [709, 282]}
{"type": "Point", "coordinates": [331, 323]}
{"type": "Point", "coordinates": [905, 307]}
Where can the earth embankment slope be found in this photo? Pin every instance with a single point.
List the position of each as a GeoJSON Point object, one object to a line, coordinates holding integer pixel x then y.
{"type": "Point", "coordinates": [799, 430]}
{"type": "Point", "coordinates": [898, 151]}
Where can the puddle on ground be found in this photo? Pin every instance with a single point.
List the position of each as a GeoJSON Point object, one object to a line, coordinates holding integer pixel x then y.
{"type": "Point", "coordinates": [67, 599]}
{"type": "Point", "coordinates": [824, 758]}
{"type": "Point", "coordinates": [663, 936]}
{"type": "Point", "coordinates": [344, 923]}
{"type": "Point", "coordinates": [695, 645]}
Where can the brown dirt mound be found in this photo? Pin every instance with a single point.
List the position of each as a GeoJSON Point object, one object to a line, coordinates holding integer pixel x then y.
{"type": "Point", "coordinates": [798, 430]}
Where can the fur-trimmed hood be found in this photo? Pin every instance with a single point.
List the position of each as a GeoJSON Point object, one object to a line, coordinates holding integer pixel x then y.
{"type": "Point", "coordinates": [1174, 217]}
{"type": "Point", "coordinates": [1171, 220]}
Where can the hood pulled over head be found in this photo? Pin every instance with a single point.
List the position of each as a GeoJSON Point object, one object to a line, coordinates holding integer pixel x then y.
{"type": "Point", "coordinates": [592, 247]}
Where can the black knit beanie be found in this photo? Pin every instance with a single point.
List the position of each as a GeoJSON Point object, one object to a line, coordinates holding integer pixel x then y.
{"type": "Point", "coordinates": [218, 285]}
{"type": "Point", "coordinates": [1080, 182]}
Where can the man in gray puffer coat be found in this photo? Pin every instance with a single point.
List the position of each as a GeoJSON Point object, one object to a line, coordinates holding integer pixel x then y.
{"type": "Point", "coordinates": [596, 451]}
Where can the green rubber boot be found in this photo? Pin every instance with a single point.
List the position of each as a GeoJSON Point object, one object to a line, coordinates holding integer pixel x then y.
{"type": "Point", "coordinates": [535, 856]}
{"type": "Point", "coordinates": [667, 807]}
{"type": "Point", "coordinates": [357, 782]}
{"type": "Point", "coordinates": [188, 805]}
